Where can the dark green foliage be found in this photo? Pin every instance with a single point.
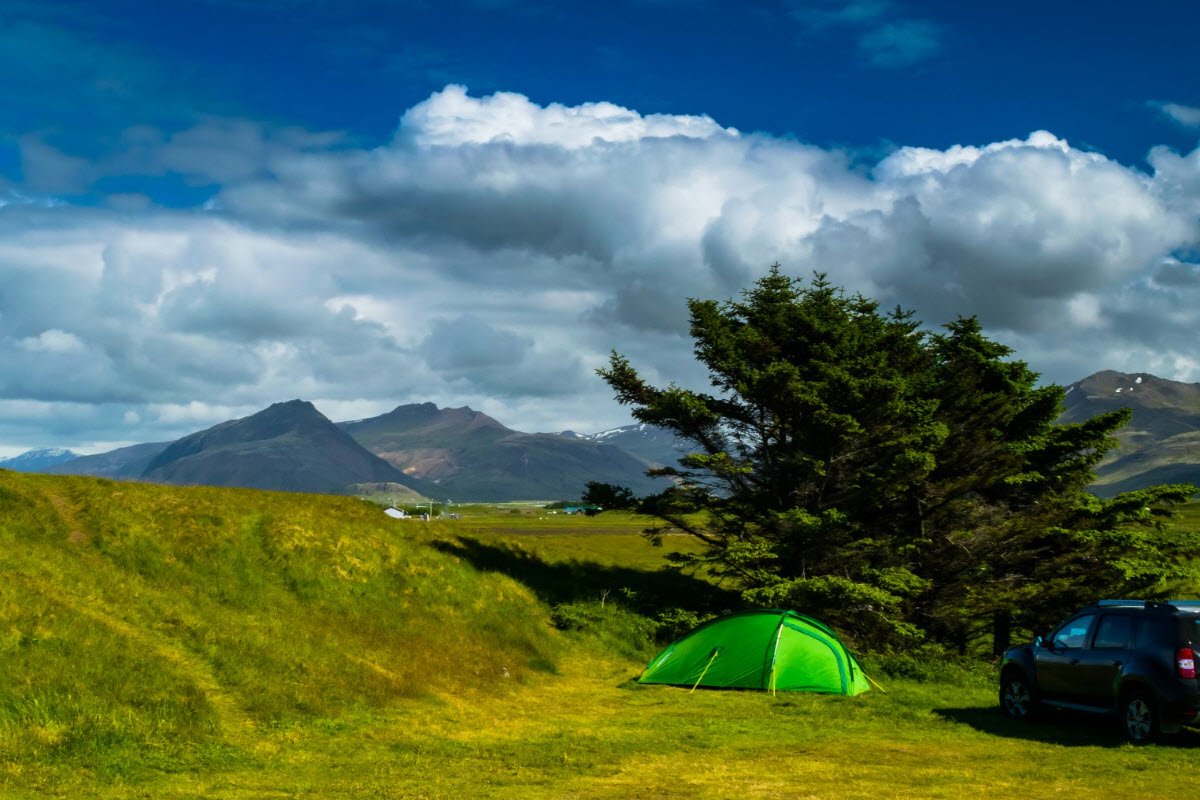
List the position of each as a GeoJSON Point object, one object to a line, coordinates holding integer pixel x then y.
{"type": "Point", "coordinates": [931, 663]}
{"type": "Point", "coordinates": [606, 497]}
{"type": "Point", "coordinates": [675, 622]}
{"type": "Point", "coordinates": [898, 483]}
{"type": "Point", "coordinates": [615, 629]}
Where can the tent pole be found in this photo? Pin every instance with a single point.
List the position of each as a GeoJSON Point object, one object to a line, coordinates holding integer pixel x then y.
{"type": "Point", "coordinates": [775, 652]}
{"type": "Point", "coordinates": [706, 666]}
{"type": "Point", "coordinates": [873, 683]}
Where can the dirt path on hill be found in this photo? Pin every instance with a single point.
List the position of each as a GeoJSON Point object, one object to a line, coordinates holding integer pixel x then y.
{"type": "Point", "coordinates": [77, 535]}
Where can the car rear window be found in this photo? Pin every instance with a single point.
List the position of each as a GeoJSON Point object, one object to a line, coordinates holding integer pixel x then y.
{"type": "Point", "coordinates": [1160, 632]}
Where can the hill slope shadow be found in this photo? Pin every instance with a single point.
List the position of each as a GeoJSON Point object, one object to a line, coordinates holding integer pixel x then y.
{"type": "Point", "coordinates": [645, 592]}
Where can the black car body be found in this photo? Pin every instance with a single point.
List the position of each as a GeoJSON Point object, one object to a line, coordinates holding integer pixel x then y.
{"type": "Point", "coordinates": [1132, 659]}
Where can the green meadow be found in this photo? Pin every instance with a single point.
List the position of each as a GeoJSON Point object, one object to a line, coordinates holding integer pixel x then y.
{"type": "Point", "coordinates": [163, 642]}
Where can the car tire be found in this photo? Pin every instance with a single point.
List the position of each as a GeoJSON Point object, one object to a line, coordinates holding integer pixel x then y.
{"type": "Point", "coordinates": [1139, 717]}
{"type": "Point", "coordinates": [1017, 698]}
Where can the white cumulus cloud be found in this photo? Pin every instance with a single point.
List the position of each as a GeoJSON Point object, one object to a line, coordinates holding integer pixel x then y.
{"type": "Point", "coordinates": [1187, 116]}
{"type": "Point", "coordinates": [451, 117]}
{"type": "Point", "coordinates": [495, 250]}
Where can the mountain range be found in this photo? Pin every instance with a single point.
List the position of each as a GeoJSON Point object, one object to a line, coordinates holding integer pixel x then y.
{"type": "Point", "coordinates": [470, 456]}
{"type": "Point", "coordinates": [286, 447]}
{"type": "Point", "coordinates": [654, 445]}
{"type": "Point", "coordinates": [414, 451]}
{"type": "Point", "coordinates": [420, 450]}
{"type": "Point", "coordinates": [38, 460]}
{"type": "Point", "coordinates": [125, 463]}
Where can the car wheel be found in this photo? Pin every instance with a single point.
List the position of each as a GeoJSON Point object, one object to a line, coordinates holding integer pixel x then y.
{"type": "Point", "coordinates": [1016, 697]}
{"type": "Point", "coordinates": [1139, 718]}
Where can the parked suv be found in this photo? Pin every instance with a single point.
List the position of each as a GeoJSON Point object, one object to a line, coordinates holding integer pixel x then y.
{"type": "Point", "coordinates": [1132, 659]}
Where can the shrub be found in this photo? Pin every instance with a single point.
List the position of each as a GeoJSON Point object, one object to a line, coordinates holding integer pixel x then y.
{"type": "Point", "coordinates": [675, 622]}
{"type": "Point", "coordinates": [930, 663]}
{"type": "Point", "coordinates": [612, 628]}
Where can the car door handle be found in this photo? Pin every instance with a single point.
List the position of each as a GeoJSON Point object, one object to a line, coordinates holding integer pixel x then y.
{"type": "Point", "coordinates": [1074, 662]}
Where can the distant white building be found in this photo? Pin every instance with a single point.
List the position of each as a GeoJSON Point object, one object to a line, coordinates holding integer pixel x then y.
{"type": "Point", "coordinates": [396, 513]}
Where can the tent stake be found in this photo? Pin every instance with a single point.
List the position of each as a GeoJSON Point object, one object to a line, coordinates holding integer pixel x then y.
{"type": "Point", "coordinates": [706, 666]}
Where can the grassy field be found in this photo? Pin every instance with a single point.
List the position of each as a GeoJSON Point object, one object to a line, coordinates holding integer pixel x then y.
{"type": "Point", "coordinates": [1189, 516]}
{"type": "Point", "coordinates": [586, 733]}
{"type": "Point", "coordinates": [612, 539]}
{"type": "Point", "coordinates": [161, 642]}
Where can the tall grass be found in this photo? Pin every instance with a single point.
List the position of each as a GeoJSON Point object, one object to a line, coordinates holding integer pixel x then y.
{"type": "Point", "coordinates": [145, 626]}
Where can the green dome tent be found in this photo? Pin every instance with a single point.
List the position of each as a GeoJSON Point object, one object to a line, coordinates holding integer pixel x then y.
{"type": "Point", "coordinates": [767, 648]}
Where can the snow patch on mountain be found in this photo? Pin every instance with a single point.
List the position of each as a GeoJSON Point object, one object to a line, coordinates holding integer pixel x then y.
{"type": "Point", "coordinates": [38, 460]}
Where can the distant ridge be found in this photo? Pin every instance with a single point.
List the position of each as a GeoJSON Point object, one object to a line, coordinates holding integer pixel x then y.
{"type": "Point", "coordinates": [470, 456]}
{"type": "Point", "coordinates": [287, 447]}
{"type": "Point", "coordinates": [125, 463]}
{"type": "Point", "coordinates": [465, 455]}
{"type": "Point", "coordinates": [441, 453]}
{"type": "Point", "coordinates": [1161, 444]}
{"type": "Point", "coordinates": [655, 445]}
{"type": "Point", "coordinates": [38, 460]}
{"type": "Point", "coordinates": [452, 453]}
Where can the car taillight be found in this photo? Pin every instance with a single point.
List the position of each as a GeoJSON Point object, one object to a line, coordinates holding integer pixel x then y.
{"type": "Point", "coordinates": [1185, 662]}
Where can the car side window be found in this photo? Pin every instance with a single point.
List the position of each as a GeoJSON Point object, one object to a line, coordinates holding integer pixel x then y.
{"type": "Point", "coordinates": [1114, 632]}
{"type": "Point", "coordinates": [1073, 633]}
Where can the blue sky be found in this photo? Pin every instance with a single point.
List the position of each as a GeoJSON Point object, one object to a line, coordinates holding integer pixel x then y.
{"type": "Point", "coordinates": [206, 207]}
{"type": "Point", "coordinates": [863, 75]}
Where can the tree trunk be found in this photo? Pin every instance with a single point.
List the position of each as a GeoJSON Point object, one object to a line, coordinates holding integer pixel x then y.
{"type": "Point", "coordinates": [1001, 632]}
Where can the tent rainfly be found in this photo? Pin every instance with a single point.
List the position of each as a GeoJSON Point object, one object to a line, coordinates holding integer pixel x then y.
{"type": "Point", "coordinates": [767, 648]}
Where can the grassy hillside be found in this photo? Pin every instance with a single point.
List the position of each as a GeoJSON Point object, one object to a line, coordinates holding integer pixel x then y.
{"type": "Point", "coordinates": [146, 627]}
{"type": "Point", "coordinates": [161, 642]}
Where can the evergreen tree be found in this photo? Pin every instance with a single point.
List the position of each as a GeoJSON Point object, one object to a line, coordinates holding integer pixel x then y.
{"type": "Point", "coordinates": [898, 483]}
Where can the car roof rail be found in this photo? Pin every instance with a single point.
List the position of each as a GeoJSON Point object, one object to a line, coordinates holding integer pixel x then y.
{"type": "Point", "coordinates": [1126, 603]}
